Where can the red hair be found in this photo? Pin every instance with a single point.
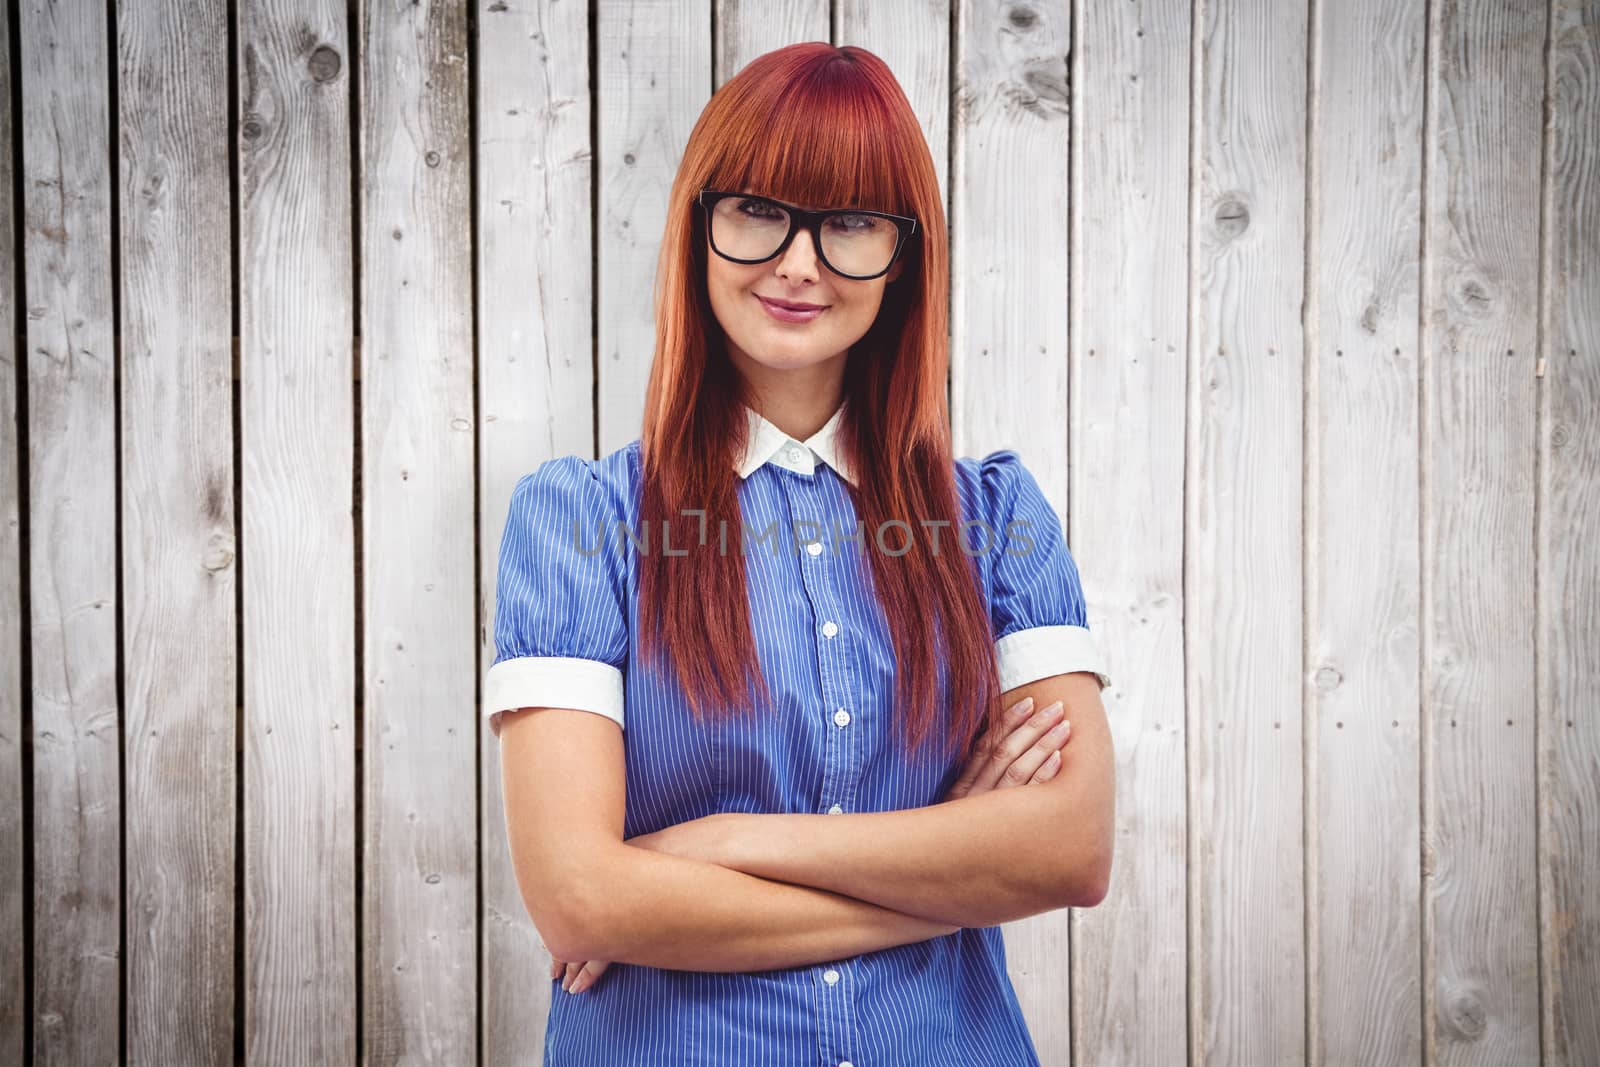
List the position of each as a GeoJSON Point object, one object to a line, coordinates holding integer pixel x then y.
{"type": "Point", "coordinates": [822, 125]}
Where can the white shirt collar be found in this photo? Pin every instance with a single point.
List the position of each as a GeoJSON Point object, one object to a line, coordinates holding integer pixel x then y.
{"type": "Point", "coordinates": [768, 444]}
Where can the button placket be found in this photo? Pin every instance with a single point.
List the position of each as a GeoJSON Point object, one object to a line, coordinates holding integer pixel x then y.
{"type": "Point", "coordinates": [818, 582]}
{"type": "Point", "coordinates": [818, 577]}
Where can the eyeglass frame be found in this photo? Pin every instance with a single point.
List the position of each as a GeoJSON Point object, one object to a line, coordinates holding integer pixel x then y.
{"type": "Point", "coordinates": [905, 228]}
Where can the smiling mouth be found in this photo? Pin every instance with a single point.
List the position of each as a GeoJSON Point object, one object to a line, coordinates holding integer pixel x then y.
{"type": "Point", "coordinates": [791, 306]}
{"type": "Point", "coordinates": [789, 313]}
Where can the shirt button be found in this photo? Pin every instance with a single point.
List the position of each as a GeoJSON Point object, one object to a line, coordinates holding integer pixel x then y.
{"type": "Point", "coordinates": [846, 1063]}
{"type": "Point", "coordinates": [830, 976]}
{"type": "Point", "coordinates": [815, 548]}
{"type": "Point", "coordinates": [836, 810]}
{"type": "Point", "coordinates": [842, 717]}
{"type": "Point", "coordinates": [793, 453]}
{"type": "Point", "coordinates": [829, 629]}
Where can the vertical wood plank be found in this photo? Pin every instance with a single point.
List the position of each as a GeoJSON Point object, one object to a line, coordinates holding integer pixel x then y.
{"type": "Point", "coordinates": [13, 892]}
{"type": "Point", "coordinates": [178, 537]}
{"type": "Point", "coordinates": [1130, 208]}
{"type": "Point", "coordinates": [1569, 572]}
{"type": "Point", "coordinates": [297, 443]}
{"type": "Point", "coordinates": [72, 520]}
{"type": "Point", "coordinates": [1363, 600]}
{"type": "Point", "coordinates": [1010, 264]}
{"type": "Point", "coordinates": [535, 392]}
{"type": "Point", "coordinates": [1243, 600]}
{"type": "Point", "coordinates": [419, 788]}
{"type": "Point", "coordinates": [1008, 236]}
{"type": "Point", "coordinates": [653, 79]}
{"type": "Point", "coordinates": [1480, 293]}
{"type": "Point", "coordinates": [749, 28]}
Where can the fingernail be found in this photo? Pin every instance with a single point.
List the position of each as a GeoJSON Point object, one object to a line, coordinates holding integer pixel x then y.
{"type": "Point", "coordinates": [1022, 707]}
{"type": "Point", "coordinates": [1059, 729]}
{"type": "Point", "coordinates": [1055, 758]}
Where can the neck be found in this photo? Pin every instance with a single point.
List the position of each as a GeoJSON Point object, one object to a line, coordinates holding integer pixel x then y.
{"type": "Point", "coordinates": [797, 401]}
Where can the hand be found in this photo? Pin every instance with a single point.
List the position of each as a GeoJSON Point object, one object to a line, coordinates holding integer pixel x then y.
{"type": "Point", "coordinates": [579, 976]}
{"type": "Point", "coordinates": [1023, 752]}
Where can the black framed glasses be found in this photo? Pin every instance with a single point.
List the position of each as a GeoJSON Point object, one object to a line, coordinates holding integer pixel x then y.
{"type": "Point", "coordinates": [851, 242]}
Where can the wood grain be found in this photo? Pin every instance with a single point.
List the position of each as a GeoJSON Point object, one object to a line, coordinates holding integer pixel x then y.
{"type": "Point", "coordinates": [1129, 350]}
{"type": "Point", "coordinates": [179, 543]}
{"type": "Point", "coordinates": [14, 887]}
{"type": "Point", "coordinates": [297, 444]}
{"type": "Point", "coordinates": [1244, 612]}
{"type": "Point", "coordinates": [535, 323]}
{"type": "Point", "coordinates": [1363, 597]}
{"type": "Point", "coordinates": [1480, 301]}
{"type": "Point", "coordinates": [1568, 576]}
{"type": "Point", "coordinates": [419, 858]}
{"type": "Point", "coordinates": [653, 77]}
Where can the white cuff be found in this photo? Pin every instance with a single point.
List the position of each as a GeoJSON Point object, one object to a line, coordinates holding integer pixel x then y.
{"type": "Point", "coordinates": [1038, 652]}
{"type": "Point", "coordinates": [552, 682]}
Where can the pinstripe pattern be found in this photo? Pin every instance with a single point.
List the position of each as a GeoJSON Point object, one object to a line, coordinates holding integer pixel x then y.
{"type": "Point", "coordinates": [562, 638]}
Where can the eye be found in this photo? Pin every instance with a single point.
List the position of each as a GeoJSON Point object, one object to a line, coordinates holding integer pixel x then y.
{"type": "Point", "coordinates": [760, 209]}
{"type": "Point", "coordinates": [854, 224]}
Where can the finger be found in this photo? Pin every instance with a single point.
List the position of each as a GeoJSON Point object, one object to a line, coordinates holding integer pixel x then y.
{"type": "Point", "coordinates": [556, 967]}
{"type": "Point", "coordinates": [1029, 762]}
{"type": "Point", "coordinates": [982, 749]}
{"type": "Point", "coordinates": [588, 974]}
{"type": "Point", "coordinates": [1047, 770]}
{"type": "Point", "coordinates": [1013, 745]}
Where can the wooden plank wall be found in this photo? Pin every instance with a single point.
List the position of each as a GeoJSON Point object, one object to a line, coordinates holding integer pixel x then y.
{"type": "Point", "coordinates": [1294, 310]}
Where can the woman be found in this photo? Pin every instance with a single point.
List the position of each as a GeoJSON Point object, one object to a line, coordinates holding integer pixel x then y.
{"type": "Point", "coordinates": [812, 645]}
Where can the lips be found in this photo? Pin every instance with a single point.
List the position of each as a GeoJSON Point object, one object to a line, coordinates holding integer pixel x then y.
{"type": "Point", "coordinates": [785, 311]}
{"type": "Point", "coordinates": [791, 305]}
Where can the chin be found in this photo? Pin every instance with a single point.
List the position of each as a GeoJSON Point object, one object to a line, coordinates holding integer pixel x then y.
{"type": "Point", "coordinates": [786, 353]}
{"type": "Point", "coordinates": [785, 359]}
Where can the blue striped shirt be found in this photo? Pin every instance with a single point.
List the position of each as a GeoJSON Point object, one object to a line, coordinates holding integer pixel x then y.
{"type": "Point", "coordinates": [564, 638]}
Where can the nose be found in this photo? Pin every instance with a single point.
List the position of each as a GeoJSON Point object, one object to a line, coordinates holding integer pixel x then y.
{"type": "Point", "coordinates": [799, 261]}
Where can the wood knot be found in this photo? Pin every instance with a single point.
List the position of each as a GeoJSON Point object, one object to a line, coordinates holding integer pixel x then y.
{"type": "Point", "coordinates": [1465, 1015]}
{"type": "Point", "coordinates": [324, 64]}
{"type": "Point", "coordinates": [1232, 217]}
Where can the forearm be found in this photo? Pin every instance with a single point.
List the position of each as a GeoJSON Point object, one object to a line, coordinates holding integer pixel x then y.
{"type": "Point", "coordinates": [980, 860]}
{"type": "Point", "coordinates": [661, 910]}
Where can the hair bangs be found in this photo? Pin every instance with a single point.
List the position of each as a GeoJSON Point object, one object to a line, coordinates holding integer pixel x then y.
{"type": "Point", "coordinates": [819, 143]}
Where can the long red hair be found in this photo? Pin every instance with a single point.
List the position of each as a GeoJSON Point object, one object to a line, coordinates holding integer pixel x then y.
{"type": "Point", "coordinates": [813, 124]}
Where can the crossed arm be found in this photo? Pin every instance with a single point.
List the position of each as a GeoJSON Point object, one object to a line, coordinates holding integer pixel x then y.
{"type": "Point", "coordinates": [737, 892]}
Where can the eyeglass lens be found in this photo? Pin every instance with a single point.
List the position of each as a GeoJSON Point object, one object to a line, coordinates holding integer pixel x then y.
{"type": "Point", "coordinates": [751, 229]}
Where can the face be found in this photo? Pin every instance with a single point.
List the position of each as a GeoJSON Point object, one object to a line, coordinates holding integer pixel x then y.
{"type": "Point", "coordinates": [759, 335]}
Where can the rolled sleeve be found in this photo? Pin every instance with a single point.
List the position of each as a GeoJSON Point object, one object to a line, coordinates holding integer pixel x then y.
{"type": "Point", "coordinates": [560, 623]}
{"type": "Point", "coordinates": [1036, 605]}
